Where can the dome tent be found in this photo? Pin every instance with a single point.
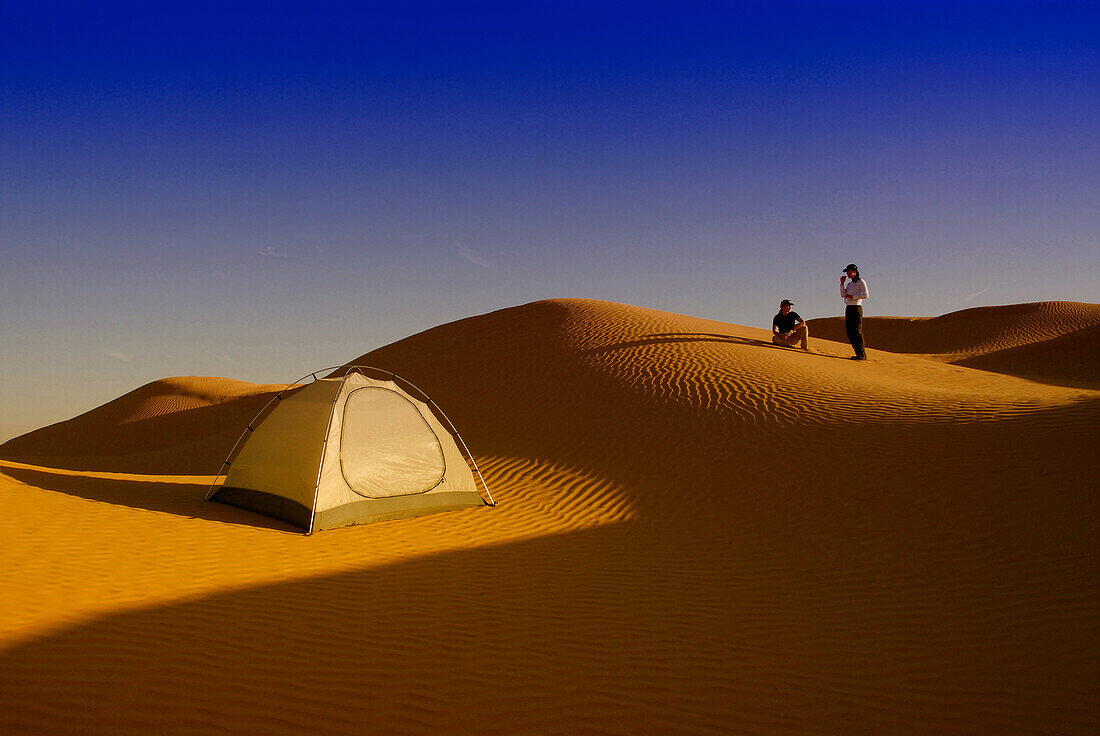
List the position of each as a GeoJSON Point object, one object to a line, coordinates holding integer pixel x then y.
{"type": "Point", "coordinates": [357, 446]}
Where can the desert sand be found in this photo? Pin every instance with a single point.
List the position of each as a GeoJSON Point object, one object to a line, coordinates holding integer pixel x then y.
{"type": "Point", "coordinates": [1054, 342]}
{"type": "Point", "coordinates": [697, 532]}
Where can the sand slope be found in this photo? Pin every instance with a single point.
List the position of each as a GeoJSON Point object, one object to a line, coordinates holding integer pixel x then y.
{"type": "Point", "coordinates": [698, 532]}
{"type": "Point", "coordinates": [176, 425]}
{"type": "Point", "coordinates": [1052, 341]}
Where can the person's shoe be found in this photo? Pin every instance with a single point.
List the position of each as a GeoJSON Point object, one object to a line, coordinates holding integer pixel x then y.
{"type": "Point", "coordinates": [857, 357]}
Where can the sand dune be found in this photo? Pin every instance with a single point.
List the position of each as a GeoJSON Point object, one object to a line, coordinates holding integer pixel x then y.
{"type": "Point", "coordinates": [1054, 341]}
{"type": "Point", "coordinates": [177, 425]}
{"type": "Point", "coordinates": [697, 532]}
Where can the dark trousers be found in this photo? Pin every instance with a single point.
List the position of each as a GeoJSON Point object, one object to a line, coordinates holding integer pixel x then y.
{"type": "Point", "coordinates": [853, 322]}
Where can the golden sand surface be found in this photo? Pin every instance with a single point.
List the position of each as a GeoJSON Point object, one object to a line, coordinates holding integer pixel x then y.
{"type": "Point", "coordinates": [1047, 341]}
{"type": "Point", "coordinates": [697, 532]}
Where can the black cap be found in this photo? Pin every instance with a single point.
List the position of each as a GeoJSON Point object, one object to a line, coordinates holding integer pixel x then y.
{"type": "Point", "coordinates": [851, 267]}
{"type": "Point", "coordinates": [785, 302]}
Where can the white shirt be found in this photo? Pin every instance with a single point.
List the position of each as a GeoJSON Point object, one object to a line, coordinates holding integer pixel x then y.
{"type": "Point", "coordinates": [856, 291]}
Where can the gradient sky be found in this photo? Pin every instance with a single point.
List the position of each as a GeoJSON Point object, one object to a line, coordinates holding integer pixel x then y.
{"type": "Point", "coordinates": [258, 190]}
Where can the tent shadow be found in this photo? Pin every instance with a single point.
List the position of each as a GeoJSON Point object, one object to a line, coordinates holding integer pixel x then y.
{"type": "Point", "coordinates": [180, 499]}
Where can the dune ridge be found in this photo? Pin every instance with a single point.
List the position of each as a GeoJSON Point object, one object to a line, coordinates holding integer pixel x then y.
{"type": "Point", "coordinates": [697, 532]}
{"type": "Point", "coordinates": [179, 425]}
{"type": "Point", "coordinates": [1054, 341]}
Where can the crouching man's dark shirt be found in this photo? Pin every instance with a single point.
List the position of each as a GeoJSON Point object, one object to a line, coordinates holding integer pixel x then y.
{"type": "Point", "coordinates": [786, 322]}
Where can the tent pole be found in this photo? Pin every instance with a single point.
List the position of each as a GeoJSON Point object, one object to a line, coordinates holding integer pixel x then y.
{"type": "Point", "coordinates": [233, 450]}
{"type": "Point", "coordinates": [466, 450]}
{"type": "Point", "coordinates": [277, 397]}
{"type": "Point", "coordinates": [492, 501]}
{"type": "Point", "coordinates": [324, 451]}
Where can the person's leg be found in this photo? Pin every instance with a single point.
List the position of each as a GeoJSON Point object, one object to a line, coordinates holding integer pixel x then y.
{"type": "Point", "coordinates": [786, 341]}
{"type": "Point", "coordinates": [859, 347]}
{"type": "Point", "coordinates": [804, 333]}
{"type": "Point", "coordinates": [853, 322]}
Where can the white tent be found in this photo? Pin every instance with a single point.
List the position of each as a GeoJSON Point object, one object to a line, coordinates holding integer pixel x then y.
{"type": "Point", "coordinates": [358, 446]}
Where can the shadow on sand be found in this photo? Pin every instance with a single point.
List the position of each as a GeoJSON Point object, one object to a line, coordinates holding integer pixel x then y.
{"type": "Point", "coordinates": [682, 337]}
{"type": "Point", "coordinates": [543, 636]}
{"type": "Point", "coordinates": [188, 442]}
{"type": "Point", "coordinates": [633, 628]}
{"type": "Point", "coordinates": [181, 499]}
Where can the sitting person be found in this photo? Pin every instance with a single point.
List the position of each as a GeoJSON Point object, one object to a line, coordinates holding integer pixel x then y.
{"type": "Point", "coordinates": [788, 328]}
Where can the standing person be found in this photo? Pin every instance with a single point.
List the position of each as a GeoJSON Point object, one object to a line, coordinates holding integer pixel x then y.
{"type": "Point", "coordinates": [788, 328]}
{"type": "Point", "coordinates": [853, 293]}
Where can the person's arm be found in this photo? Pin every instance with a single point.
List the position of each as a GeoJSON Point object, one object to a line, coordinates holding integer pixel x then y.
{"type": "Point", "coordinates": [843, 291]}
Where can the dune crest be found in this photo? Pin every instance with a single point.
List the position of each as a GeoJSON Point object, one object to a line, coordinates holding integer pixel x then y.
{"type": "Point", "coordinates": [173, 425]}
{"type": "Point", "coordinates": [1055, 341]}
{"type": "Point", "coordinates": [697, 532]}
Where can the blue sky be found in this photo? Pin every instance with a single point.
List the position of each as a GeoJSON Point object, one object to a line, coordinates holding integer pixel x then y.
{"type": "Point", "coordinates": [258, 190]}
